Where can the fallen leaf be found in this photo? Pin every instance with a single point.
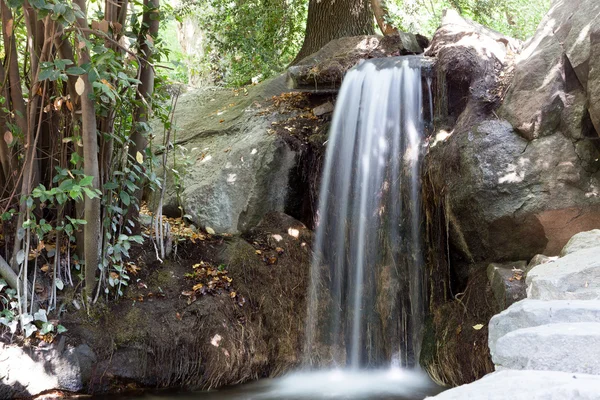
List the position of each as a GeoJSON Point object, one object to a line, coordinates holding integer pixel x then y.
{"type": "Point", "coordinates": [258, 252]}
{"type": "Point", "coordinates": [210, 230]}
{"type": "Point", "coordinates": [198, 286]}
{"type": "Point", "coordinates": [8, 137]}
{"type": "Point", "coordinates": [232, 295]}
{"type": "Point", "coordinates": [216, 340]}
{"type": "Point", "coordinates": [139, 157]}
{"type": "Point", "coordinates": [272, 260]}
{"type": "Point", "coordinates": [478, 327]}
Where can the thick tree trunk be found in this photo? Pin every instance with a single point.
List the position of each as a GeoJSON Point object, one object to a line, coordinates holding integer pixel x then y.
{"type": "Point", "coordinates": [333, 19]}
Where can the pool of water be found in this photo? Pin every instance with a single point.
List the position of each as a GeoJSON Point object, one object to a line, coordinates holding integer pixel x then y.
{"type": "Point", "coordinates": [390, 384]}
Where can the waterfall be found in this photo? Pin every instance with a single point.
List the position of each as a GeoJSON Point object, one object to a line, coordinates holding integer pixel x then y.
{"type": "Point", "coordinates": [366, 298]}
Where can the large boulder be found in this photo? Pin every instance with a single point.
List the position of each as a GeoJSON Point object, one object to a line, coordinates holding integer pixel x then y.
{"type": "Point", "coordinates": [469, 59]}
{"type": "Point", "coordinates": [514, 188]}
{"type": "Point", "coordinates": [230, 167]}
{"type": "Point", "coordinates": [556, 86]}
{"type": "Point", "coordinates": [512, 199]}
{"type": "Point", "coordinates": [26, 372]}
{"type": "Point", "coordinates": [324, 70]}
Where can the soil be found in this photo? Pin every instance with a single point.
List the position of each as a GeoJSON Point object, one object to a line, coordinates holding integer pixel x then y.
{"type": "Point", "coordinates": [165, 334]}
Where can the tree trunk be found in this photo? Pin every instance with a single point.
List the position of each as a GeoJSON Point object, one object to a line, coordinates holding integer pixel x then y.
{"type": "Point", "coordinates": [92, 229]}
{"type": "Point", "coordinates": [333, 19]}
{"type": "Point", "coordinates": [148, 32]}
{"type": "Point", "coordinates": [380, 11]}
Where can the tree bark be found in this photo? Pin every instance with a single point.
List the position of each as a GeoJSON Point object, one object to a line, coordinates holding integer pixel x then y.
{"type": "Point", "coordinates": [148, 32]}
{"type": "Point", "coordinates": [333, 19]}
{"type": "Point", "coordinates": [381, 13]}
{"type": "Point", "coordinates": [92, 229]}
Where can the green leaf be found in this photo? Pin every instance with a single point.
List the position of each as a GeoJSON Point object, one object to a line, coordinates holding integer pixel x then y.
{"type": "Point", "coordinates": [110, 186]}
{"type": "Point", "coordinates": [125, 198]}
{"type": "Point", "coordinates": [29, 329]}
{"type": "Point", "coordinates": [90, 193]}
{"type": "Point", "coordinates": [86, 181]}
{"type": "Point", "coordinates": [40, 315]}
{"type": "Point", "coordinates": [47, 327]}
{"type": "Point", "coordinates": [75, 71]}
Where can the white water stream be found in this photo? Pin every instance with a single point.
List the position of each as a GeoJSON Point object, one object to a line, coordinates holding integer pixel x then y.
{"type": "Point", "coordinates": [366, 300]}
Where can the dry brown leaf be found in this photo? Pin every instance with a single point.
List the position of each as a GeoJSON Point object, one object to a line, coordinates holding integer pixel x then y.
{"type": "Point", "coordinates": [8, 137]}
{"type": "Point", "coordinates": [80, 86]}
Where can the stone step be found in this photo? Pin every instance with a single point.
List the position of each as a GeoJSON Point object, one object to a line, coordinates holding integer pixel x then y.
{"type": "Point", "coordinates": [527, 385]}
{"type": "Point", "coordinates": [568, 347]}
{"type": "Point", "coordinates": [575, 276]}
{"type": "Point", "coordinates": [529, 313]}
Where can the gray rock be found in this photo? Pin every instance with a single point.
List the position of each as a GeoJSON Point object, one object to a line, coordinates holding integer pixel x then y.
{"type": "Point", "coordinates": [232, 169]}
{"type": "Point", "coordinates": [555, 68]}
{"type": "Point", "coordinates": [538, 259]}
{"type": "Point", "coordinates": [511, 199]}
{"type": "Point", "coordinates": [575, 276]}
{"type": "Point", "coordinates": [469, 60]}
{"type": "Point", "coordinates": [582, 240]}
{"type": "Point", "coordinates": [529, 313]}
{"type": "Point", "coordinates": [568, 347]}
{"type": "Point", "coordinates": [527, 385]}
{"type": "Point", "coordinates": [28, 372]}
{"type": "Point", "coordinates": [324, 70]}
{"type": "Point", "coordinates": [514, 193]}
{"type": "Point", "coordinates": [323, 109]}
{"type": "Point", "coordinates": [508, 282]}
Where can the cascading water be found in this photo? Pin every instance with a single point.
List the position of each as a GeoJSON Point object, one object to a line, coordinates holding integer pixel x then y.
{"type": "Point", "coordinates": [366, 302]}
{"type": "Point", "coordinates": [365, 305]}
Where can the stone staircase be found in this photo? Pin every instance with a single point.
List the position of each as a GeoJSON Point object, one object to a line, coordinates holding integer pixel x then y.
{"type": "Point", "coordinates": [548, 345]}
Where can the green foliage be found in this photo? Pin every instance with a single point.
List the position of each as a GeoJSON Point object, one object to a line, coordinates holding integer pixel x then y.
{"type": "Point", "coordinates": [9, 315]}
{"type": "Point", "coordinates": [516, 18]}
{"type": "Point", "coordinates": [246, 40]}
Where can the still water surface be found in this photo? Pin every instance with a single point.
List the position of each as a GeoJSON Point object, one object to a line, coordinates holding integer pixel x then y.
{"type": "Point", "coordinates": [390, 384]}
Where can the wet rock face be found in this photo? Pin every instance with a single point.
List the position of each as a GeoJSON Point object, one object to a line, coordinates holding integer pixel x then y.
{"type": "Point", "coordinates": [324, 70]}
{"type": "Point", "coordinates": [513, 169]}
{"type": "Point", "coordinates": [521, 186]}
